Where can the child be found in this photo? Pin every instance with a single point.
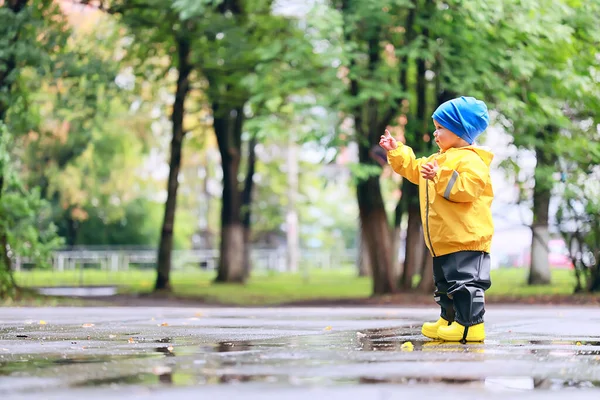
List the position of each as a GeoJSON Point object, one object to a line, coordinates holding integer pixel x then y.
{"type": "Point", "coordinates": [455, 192]}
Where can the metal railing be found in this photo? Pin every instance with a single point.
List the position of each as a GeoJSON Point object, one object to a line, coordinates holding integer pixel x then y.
{"type": "Point", "coordinates": [125, 259]}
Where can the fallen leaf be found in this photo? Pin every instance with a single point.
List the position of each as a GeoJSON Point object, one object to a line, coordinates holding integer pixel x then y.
{"type": "Point", "coordinates": [198, 314]}
{"type": "Point", "coordinates": [131, 340]}
{"type": "Point", "coordinates": [328, 328]}
{"type": "Point", "coordinates": [42, 322]}
{"type": "Point", "coordinates": [578, 343]}
{"type": "Point", "coordinates": [87, 325]}
{"type": "Point", "coordinates": [407, 346]}
{"type": "Point", "coordinates": [164, 324]}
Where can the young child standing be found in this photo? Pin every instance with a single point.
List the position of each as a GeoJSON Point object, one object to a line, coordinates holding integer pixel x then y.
{"type": "Point", "coordinates": [455, 192]}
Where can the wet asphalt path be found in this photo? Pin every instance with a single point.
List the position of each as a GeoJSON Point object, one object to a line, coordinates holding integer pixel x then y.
{"type": "Point", "coordinates": [293, 353]}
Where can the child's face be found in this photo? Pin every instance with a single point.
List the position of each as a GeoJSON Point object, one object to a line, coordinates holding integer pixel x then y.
{"type": "Point", "coordinates": [445, 139]}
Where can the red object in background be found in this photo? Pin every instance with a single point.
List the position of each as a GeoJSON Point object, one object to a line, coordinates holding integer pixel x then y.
{"type": "Point", "coordinates": [558, 255]}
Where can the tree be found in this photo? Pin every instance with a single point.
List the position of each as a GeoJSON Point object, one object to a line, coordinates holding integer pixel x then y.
{"type": "Point", "coordinates": [373, 96]}
{"type": "Point", "coordinates": [86, 140]}
{"type": "Point", "coordinates": [546, 79]}
{"type": "Point", "coordinates": [163, 43]}
{"type": "Point", "coordinates": [246, 49]}
{"type": "Point", "coordinates": [33, 36]}
{"type": "Point", "coordinates": [578, 215]}
{"type": "Point", "coordinates": [526, 73]}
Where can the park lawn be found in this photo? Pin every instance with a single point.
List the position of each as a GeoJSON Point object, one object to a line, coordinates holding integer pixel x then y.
{"type": "Point", "coordinates": [277, 288]}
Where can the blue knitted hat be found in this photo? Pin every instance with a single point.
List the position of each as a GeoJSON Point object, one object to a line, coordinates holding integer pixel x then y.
{"type": "Point", "coordinates": [466, 117]}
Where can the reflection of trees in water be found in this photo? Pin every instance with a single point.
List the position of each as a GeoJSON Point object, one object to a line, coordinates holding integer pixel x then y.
{"type": "Point", "coordinates": [420, 380]}
{"type": "Point", "coordinates": [166, 378]}
{"type": "Point", "coordinates": [226, 347]}
{"type": "Point", "coordinates": [167, 351]}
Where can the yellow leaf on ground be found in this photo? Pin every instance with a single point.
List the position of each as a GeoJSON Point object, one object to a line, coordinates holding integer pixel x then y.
{"type": "Point", "coordinates": [87, 325]}
{"type": "Point", "coordinates": [407, 346]}
{"type": "Point", "coordinates": [42, 322]}
{"type": "Point", "coordinates": [164, 324]}
{"type": "Point", "coordinates": [131, 340]}
{"type": "Point", "coordinates": [328, 328]}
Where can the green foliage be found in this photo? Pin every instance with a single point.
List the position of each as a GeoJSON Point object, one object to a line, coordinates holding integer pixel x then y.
{"type": "Point", "coordinates": [578, 215]}
{"type": "Point", "coordinates": [25, 226]}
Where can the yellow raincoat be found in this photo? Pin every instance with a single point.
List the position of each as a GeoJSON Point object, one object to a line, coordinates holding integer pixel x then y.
{"type": "Point", "coordinates": [456, 204]}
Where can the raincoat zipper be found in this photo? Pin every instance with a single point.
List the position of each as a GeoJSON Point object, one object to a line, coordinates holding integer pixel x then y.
{"type": "Point", "coordinates": [427, 217]}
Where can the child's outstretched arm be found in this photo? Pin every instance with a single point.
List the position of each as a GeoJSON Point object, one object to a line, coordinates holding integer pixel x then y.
{"type": "Point", "coordinates": [463, 185]}
{"type": "Point", "coordinates": [401, 158]}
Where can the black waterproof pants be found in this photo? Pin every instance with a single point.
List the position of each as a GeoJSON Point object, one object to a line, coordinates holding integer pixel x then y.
{"type": "Point", "coordinates": [460, 280]}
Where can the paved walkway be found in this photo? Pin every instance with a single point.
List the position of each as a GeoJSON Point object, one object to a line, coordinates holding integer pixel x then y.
{"type": "Point", "coordinates": [293, 353]}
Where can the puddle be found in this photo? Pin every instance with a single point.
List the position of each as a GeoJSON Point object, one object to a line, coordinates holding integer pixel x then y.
{"type": "Point", "coordinates": [184, 357]}
{"type": "Point", "coordinates": [80, 291]}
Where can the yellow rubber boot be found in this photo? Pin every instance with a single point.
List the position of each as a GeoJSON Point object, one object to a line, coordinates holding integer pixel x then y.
{"type": "Point", "coordinates": [430, 329]}
{"type": "Point", "coordinates": [456, 331]}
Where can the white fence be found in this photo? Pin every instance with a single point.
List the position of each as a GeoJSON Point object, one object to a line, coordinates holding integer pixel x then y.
{"type": "Point", "coordinates": [124, 260]}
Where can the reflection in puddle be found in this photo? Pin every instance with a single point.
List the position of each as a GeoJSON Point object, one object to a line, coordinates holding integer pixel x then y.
{"type": "Point", "coordinates": [167, 351]}
{"type": "Point", "coordinates": [393, 339]}
{"type": "Point", "coordinates": [493, 383]}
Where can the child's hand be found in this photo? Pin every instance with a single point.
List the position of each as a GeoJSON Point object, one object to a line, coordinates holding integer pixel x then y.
{"type": "Point", "coordinates": [388, 142]}
{"type": "Point", "coordinates": [429, 170]}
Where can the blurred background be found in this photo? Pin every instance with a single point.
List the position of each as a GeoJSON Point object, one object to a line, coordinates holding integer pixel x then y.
{"type": "Point", "coordinates": [226, 150]}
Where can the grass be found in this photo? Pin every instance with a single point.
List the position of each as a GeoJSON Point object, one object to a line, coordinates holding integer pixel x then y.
{"type": "Point", "coordinates": [270, 289]}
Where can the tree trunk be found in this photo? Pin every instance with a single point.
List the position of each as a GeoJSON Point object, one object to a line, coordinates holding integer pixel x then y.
{"type": "Point", "coordinates": [595, 282]}
{"type": "Point", "coordinates": [412, 251]}
{"type": "Point", "coordinates": [8, 286]}
{"type": "Point", "coordinates": [397, 238]}
{"type": "Point", "coordinates": [540, 268]}
{"type": "Point", "coordinates": [293, 237]}
{"type": "Point", "coordinates": [364, 261]}
{"type": "Point", "coordinates": [165, 248]}
{"type": "Point", "coordinates": [247, 204]}
{"type": "Point", "coordinates": [415, 242]}
{"type": "Point", "coordinates": [375, 230]}
{"type": "Point", "coordinates": [228, 123]}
